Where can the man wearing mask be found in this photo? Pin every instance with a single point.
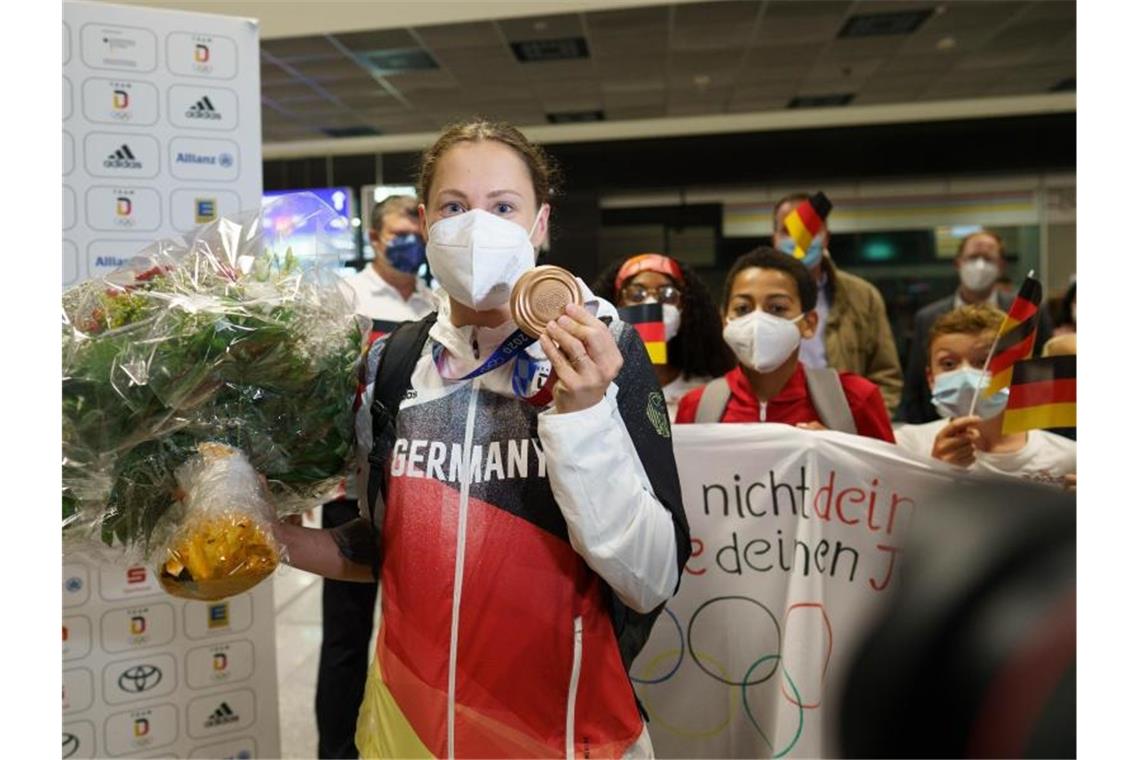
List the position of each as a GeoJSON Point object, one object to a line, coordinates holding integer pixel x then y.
{"type": "Point", "coordinates": [856, 335]}
{"type": "Point", "coordinates": [387, 291]}
{"type": "Point", "coordinates": [980, 263]}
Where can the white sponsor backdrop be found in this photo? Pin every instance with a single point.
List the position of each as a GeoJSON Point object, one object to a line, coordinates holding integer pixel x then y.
{"type": "Point", "coordinates": [795, 538]}
{"type": "Point", "coordinates": [161, 132]}
{"type": "Point", "coordinates": [149, 675]}
{"type": "Point", "coordinates": [161, 129]}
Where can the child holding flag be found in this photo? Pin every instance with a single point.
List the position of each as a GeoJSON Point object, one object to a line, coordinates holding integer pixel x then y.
{"type": "Point", "coordinates": [972, 438]}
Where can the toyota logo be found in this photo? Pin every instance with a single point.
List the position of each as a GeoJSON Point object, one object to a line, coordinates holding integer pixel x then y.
{"type": "Point", "coordinates": [70, 744]}
{"type": "Point", "coordinates": [140, 678]}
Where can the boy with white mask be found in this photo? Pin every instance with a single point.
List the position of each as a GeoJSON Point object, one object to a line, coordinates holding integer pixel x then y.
{"type": "Point", "coordinates": [769, 308]}
{"type": "Point", "coordinates": [980, 263]}
{"type": "Point", "coordinates": [959, 343]}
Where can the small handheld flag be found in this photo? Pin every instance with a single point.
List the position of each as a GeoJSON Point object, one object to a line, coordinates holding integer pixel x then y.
{"type": "Point", "coordinates": [1017, 334]}
{"type": "Point", "coordinates": [649, 321]}
{"type": "Point", "coordinates": [805, 222]}
{"type": "Point", "coordinates": [1042, 394]}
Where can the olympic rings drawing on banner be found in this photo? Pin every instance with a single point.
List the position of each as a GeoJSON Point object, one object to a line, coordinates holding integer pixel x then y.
{"type": "Point", "coordinates": [680, 654]}
{"type": "Point", "coordinates": [752, 718]}
{"type": "Point", "coordinates": [700, 656]}
{"type": "Point", "coordinates": [683, 732]}
{"type": "Point", "coordinates": [724, 680]}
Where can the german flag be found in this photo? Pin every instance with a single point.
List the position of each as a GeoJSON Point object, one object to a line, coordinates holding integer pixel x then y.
{"type": "Point", "coordinates": [1043, 395]}
{"type": "Point", "coordinates": [806, 221]}
{"type": "Point", "coordinates": [649, 321]}
{"type": "Point", "coordinates": [1015, 339]}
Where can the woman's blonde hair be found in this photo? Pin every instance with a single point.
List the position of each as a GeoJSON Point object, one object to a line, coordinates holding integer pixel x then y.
{"type": "Point", "coordinates": [543, 172]}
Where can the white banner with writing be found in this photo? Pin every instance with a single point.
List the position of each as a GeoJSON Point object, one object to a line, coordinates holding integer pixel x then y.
{"type": "Point", "coordinates": [796, 538]}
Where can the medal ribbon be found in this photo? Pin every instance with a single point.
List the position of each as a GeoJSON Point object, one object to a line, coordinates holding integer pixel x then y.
{"type": "Point", "coordinates": [513, 348]}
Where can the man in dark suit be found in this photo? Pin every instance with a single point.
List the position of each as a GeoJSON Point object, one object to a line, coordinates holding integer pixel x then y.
{"type": "Point", "coordinates": [980, 263]}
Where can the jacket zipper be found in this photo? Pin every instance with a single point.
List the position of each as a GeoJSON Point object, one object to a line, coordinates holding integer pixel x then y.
{"type": "Point", "coordinates": [763, 411]}
{"type": "Point", "coordinates": [460, 550]}
{"type": "Point", "coordinates": [572, 696]}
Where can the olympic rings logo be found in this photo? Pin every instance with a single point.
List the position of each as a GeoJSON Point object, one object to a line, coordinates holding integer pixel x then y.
{"type": "Point", "coordinates": [695, 641]}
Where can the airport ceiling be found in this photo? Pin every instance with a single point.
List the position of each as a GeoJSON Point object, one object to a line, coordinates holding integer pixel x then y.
{"type": "Point", "coordinates": [681, 59]}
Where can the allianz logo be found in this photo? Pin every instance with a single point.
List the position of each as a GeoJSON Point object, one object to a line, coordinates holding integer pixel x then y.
{"type": "Point", "coordinates": [221, 159]}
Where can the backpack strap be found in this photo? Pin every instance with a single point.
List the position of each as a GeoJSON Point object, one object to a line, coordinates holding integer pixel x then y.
{"type": "Point", "coordinates": [714, 400]}
{"type": "Point", "coordinates": [829, 400]}
{"type": "Point", "coordinates": [402, 350]}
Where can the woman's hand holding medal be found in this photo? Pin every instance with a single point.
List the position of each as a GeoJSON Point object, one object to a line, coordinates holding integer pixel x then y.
{"type": "Point", "coordinates": [583, 353]}
{"type": "Point", "coordinates": [546, 303]}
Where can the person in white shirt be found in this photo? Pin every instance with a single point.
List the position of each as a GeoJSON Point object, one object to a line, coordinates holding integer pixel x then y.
{"type": "Point", "coordinates": [388, 291]}
{"type": "Point", "coordinates": [960, 341]}
{"type": "Point", "coordinates": [695, 349]}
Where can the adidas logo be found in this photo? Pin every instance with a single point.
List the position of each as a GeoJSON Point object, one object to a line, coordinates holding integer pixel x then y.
{"type": "Point", "coordinates": [122, 158]}
{"type": "Point", "coordinates": [203, 109]}
{"type": "Point", "coordinates": [222, 716]}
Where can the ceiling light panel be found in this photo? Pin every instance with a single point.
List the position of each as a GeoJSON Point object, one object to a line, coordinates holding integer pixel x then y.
{"type": "Point", "coordinates": [550, 50]}
{"type": "Point", "coordinates": [885, 24]}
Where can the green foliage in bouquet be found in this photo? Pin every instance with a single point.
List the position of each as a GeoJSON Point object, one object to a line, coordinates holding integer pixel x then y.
{"type": "Point", "coordinates": [188, 350]}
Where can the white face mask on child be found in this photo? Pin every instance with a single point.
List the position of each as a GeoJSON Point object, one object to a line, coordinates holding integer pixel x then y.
{"type": "Point", "coordinates": [761, 340]}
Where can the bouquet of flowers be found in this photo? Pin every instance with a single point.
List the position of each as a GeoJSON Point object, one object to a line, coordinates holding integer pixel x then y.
{"type": "Point", "coordinates": [207, 388]}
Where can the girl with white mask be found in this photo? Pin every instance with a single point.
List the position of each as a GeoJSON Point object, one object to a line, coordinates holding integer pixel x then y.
{"type": "Point", "coordinates": [523, 514]}
{"type": "Point", "coordinates": [959, 343]}
{"type": "Point", "coordinates": [769, 307]}
{"type": "Point", "coordinates": [695, 351]}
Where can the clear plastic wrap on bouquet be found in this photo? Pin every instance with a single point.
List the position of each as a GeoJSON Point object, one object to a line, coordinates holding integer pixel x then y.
{"type": "Point", "coordinates": [240, 335]}
{"type": "Point", "coordinates": [223, 541]}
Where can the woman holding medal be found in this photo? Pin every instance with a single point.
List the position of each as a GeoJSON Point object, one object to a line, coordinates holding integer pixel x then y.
{"type": "Point", "coordinates": [524, 512]}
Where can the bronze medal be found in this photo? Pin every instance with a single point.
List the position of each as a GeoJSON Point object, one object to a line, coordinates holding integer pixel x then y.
{"type": "Point", "coordinates": [541, 295]}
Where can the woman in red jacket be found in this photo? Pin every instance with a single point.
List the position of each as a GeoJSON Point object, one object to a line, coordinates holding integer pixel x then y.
{"type": "Point", "coordinates": [769, 306]}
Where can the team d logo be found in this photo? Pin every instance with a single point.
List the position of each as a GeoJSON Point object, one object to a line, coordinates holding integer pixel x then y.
{"type": "Point", "coordinates": [138, 625]}
{"type": "Point", "coordinates": [220, 662]}
{"type": "Point", "coordinates": [201, 53]}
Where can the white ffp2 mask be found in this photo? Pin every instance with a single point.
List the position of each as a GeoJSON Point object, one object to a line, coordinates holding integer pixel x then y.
{"type": "Point", "coordinates": [761, 340]}
{"type": "Point", "coordinates": [477, 257]}
{"type": "Point", "coordinates": [977, 275]}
